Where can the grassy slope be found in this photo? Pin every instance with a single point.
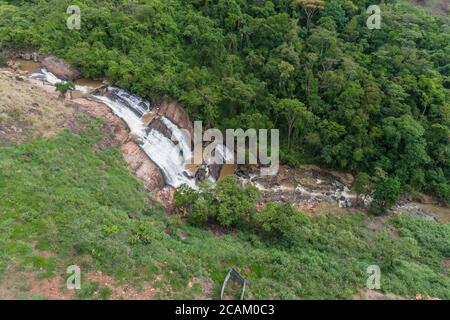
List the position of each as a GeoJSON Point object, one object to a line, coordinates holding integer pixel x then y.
{"type": "Point", "coordinates": [58, 195]}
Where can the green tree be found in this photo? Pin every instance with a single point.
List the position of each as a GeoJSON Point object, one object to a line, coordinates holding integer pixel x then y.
{"type": "Point", "coordinates": [233, 204]}
{"type": "Point", "coordinates": [386, 195]}
{"type": "Point", "coordinates": [310, 7]}
{"type": "Point", "coordinates": [295, 114]}
{"type": "Point", "coordinates": [277, 220]}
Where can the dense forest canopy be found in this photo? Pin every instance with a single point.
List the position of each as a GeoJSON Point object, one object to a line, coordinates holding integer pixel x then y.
{"type": "Point", "coordinates": [371, 101]}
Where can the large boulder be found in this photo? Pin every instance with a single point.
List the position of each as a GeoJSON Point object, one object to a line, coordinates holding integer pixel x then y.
{"type": "Point", "coordinates": [60, 68]}
{"type": "Point", "coordinates": [175, 112]}
{"type": "Point", "coordinates": [158, 125]}
{"type": "Point", "coordinates": [143, 168]}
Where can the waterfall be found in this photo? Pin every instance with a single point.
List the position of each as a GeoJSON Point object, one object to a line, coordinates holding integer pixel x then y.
{"type": "Point", "coordinates": [44, 75]}
{"type": "Point", "coordinates": [133, 102]}
{"type": "Point", "coordinates": [169, 158]}
{"type": "Point", "coordinates": [170, 154]}
{"type": "Point", "coordinates": [126, 114]}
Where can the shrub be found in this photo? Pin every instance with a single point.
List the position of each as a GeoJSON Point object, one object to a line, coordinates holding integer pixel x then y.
{"type": "Point", "coordinates": [234, 204]}
{"type": "Point", "coordinates": [442, 191]}
{"type": "Point", "coordinates": [363, 186]}
{"type": "Point", "coordinates": [200, 212]}
{"type": "Point", "coordinates": [226, 203]}
{"type": "Point", "coordinates": [386, 195]}
{"type": "Point", "coordinates": [430, 234]}
{"type": "Point", "coordinates": [184, 198]}
{"type": "Point", "coordinates": [385, 250]}
{"type": "Point", "coordinates": [277, 220]}
{"type": "Point", "coordinates": [63, 87]}
{"type": "Point", "coordinates": [145, 231]}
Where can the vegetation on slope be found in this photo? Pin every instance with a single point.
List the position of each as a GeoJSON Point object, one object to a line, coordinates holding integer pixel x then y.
{"type": "Point", "coordinates": [363, 100]}
{"type": "Point", "coordinates": [62, 203]}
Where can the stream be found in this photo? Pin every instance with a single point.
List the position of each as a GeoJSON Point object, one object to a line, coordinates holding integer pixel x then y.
{"type": "Point", "coordinates": [167, 146]}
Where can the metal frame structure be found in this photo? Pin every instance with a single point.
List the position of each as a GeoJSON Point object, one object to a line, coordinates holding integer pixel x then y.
{"type": "Point", "coordinates": [239, 278]}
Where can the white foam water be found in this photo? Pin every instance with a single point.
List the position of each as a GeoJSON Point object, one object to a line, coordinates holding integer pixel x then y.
{"type": "Point", "coordinates": [131, 119]}
{"type": "Point", "coordinates": [136, 103]}
{"type": "Point", "coordinates": [45, 75]}
{"type": "Point", "coordinates": [165, 153]}
{"type": "Point", "coordinates": [170, 155]}
{"type": "Point", "coordinates": [169, 158]}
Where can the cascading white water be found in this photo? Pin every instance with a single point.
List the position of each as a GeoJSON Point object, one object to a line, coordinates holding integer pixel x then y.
{"type": "Point", "coordinates": [170, 155]}
{"type": "Point", "coordinates": [169, 159]}
{"type": "Point", "coordinates": [131, 119]}
{"type": "Point", "coordinates": [183, 140]}
{"type": "Point", "coordinates": [136, 103]}
{"type": "Point", "coordinates": [44, 75]}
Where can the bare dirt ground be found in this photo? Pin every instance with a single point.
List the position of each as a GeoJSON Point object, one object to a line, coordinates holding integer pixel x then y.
{"type": "Point", "coordinates": [18, 284]}
{"type": "Point", "coordinates": [30, 109]}
{"type": "Point", "coordinates": [21, 284]}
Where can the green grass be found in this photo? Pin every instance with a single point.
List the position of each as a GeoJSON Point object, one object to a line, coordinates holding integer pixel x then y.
{"type": "Point", "coordinates": [58, 196]}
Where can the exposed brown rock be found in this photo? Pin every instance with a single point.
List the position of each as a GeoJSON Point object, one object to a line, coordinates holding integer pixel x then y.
{"type": "Point", "coordinates": [60, 68]}
{"type": "Point", "coordinates": [165, 196]}
{"type": "Point", "coordinates": [140, 164]}
{"type": "Point", "coordinates": [175, 112]}
{"type": "Point", "coordinates": [158, 125]}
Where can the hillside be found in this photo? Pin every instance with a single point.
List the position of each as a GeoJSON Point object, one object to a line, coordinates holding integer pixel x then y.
{"type": "Point", "coordinates": [373, 102]}
{"type": "Point", "coordinates": [89, 179]}
{"type": "Point", "coordinates": [64, 200]}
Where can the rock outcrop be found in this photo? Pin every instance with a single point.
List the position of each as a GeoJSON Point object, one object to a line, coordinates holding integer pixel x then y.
{"type": "Point", "coordinates": [158, 125]}
{"type": "Point", "coordinates": [175, 112]}
{"type": "Point", "coordinates": [142, 166]}
{"type": "Point", "coordinates": [60, 68]}
{"type": "Point", "coordinates": [27, 55]}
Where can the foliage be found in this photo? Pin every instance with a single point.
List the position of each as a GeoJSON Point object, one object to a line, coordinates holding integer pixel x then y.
{"type": "Point", "coordinates": [434, 237]}
{"type": "Point", "coordinates": [225, 203]}
{"type": "Point", "coordinates": [64, 86]}
{"type": "Point", "coordinates": [368, 98]}
{"type": "Point", "coordinates": [386, 194]}
{"type": "Point", "coordinates": [233, 204]}
{"type": "Point", "coordinates": [278, 221]}
{"type": "Point", "coordinates": [58, 194]}
{"type": "Point", "coordinates": [184, 198]}
{"type": "Point", "coordinates": [363, 186]}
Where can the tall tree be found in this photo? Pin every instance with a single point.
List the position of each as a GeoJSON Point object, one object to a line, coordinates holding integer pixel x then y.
{"type": "Point", "coordinates": [310, 7]}
{"type": "Point", "coordinates": [295, 113]}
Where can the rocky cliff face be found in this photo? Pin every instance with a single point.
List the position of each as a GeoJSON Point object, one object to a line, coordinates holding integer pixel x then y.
{"type": "Point", "coordinates": [142, 167]}
{"type": "Point", "coordinates": [175, 112]}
